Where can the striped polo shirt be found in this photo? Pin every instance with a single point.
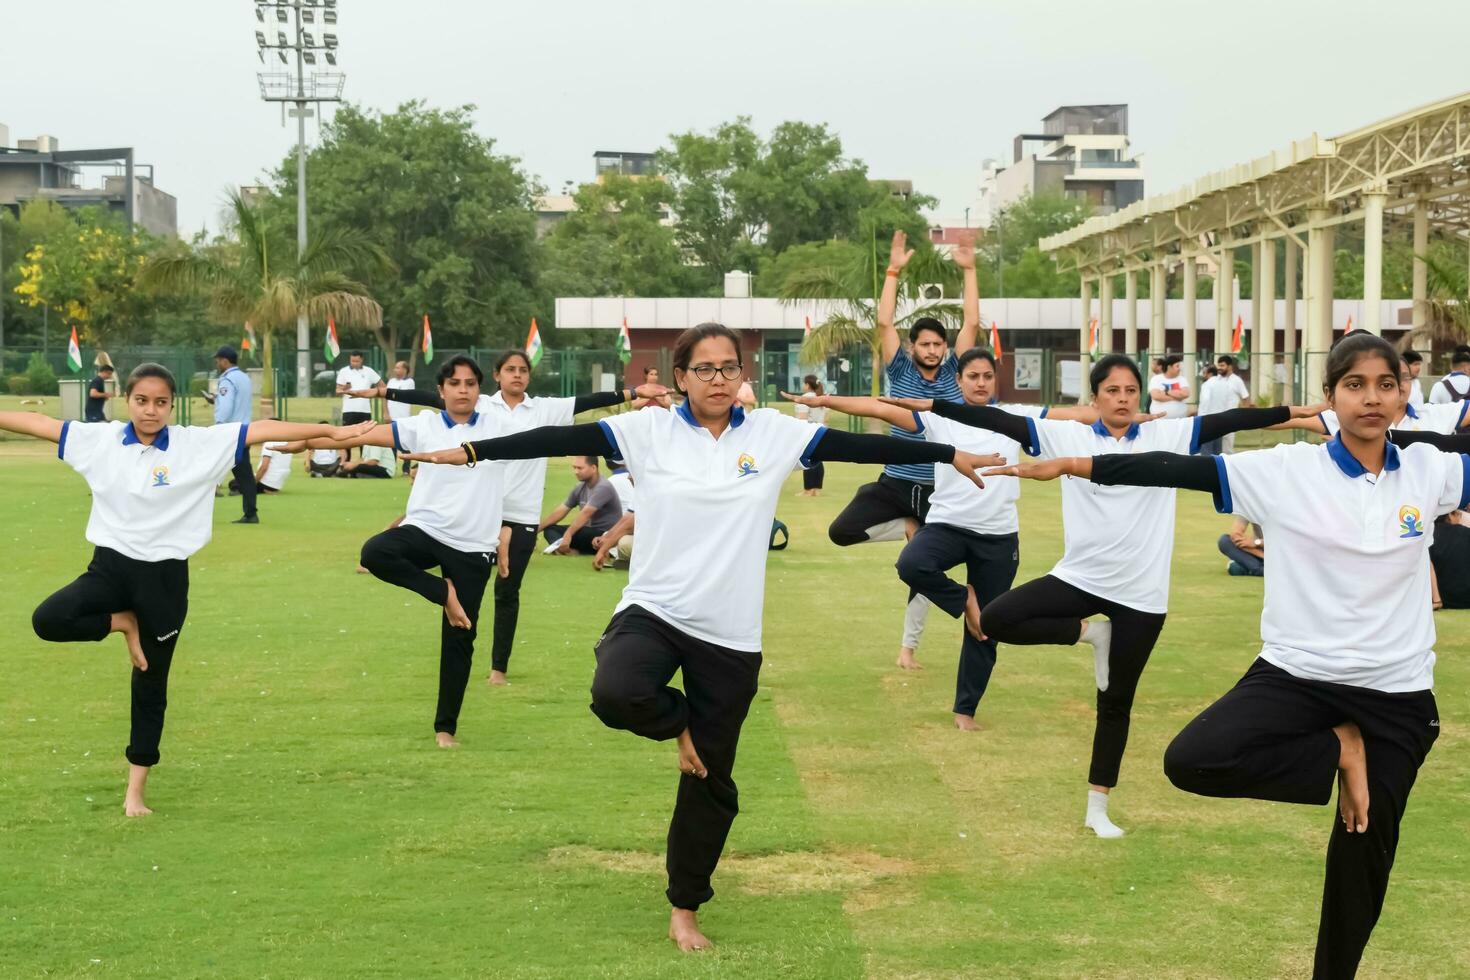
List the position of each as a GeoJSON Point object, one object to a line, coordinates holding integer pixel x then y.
{"type": "Point", "coordinates": [905, 381]}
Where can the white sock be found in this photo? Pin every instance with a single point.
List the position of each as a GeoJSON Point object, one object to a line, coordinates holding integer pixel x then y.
{"type": "Point", "coordinates": [1100, 634]}
{"type": "Point", "coordinates": [1097, 816]}
{"type": "Point", "coordinates": [894, 530]}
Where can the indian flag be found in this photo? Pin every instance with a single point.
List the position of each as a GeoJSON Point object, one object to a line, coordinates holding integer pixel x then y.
{"type": "Point", "coordinates": [995, 341]}
{"type": "Point", "coordinates": [73, 352]}
{"type": "Point", "coordinates": [1092, 336]}
{"type": "Point", "coordinates": [1237, 336]}
{"type": "Point", "coordinates": [807, 330]}
{"type": "Point", "coordinates": [331, 350]}
{"type": "Point", "coordinates": [533, 344]}
{"type": "Point", "coordinates": [625, 343]}
{"type": "Point", "coordinates": [426, 346]}
{"type": "Point", "coordinates": [249, 342]}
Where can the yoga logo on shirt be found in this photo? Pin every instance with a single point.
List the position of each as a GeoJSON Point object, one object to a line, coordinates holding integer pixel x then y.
{"type": "Point", "coordinates": [160, 476]}
{"type": "Point", "coordinates": [1411, 523]}
{"type": "Point", "coordinates": [746, 465]}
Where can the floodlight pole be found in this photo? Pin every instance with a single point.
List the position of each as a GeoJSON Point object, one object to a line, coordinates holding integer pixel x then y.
{"type": "Point", "coordinates": [303, 327]}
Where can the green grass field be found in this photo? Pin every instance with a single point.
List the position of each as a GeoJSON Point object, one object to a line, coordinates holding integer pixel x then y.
{"type": "Point", "coordinates": [307, 827]}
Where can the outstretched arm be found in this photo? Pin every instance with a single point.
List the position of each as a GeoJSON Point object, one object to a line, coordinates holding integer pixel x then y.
{"type": "Point", "coordinates": [427, 397]}
{"type": "Point", "coordinates": [31, 424]}
{"type": "Point", "coordinates": [272, 431]}
{"type": "Point", "coordinates": [586, 439]}
{"type": "Point", "coordinates": [847, 447]}
{"type": "Point", "coordinates": [1126, 469]}
{"type": "Point", "coordinates": [1457, 443]}
{"type": "Point", "coordinates": [964, 257]}
{"type": "Point", "coordinates": [898, 256]}
{"type": "Point", "coordinates": [866, 407]}
{"type": "Point", "coordinates": [1212, 427]}
{"type": "Point", "coordinates": [644, 393]}
{"type": "Point", "coordinates": [980, 416]}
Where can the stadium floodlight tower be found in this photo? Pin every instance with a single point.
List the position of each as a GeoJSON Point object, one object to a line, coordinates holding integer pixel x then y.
{"type": "Point", "coordinates": [299, 81]}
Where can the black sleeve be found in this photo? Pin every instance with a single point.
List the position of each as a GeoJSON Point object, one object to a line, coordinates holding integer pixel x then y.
{"type": "Point", "coordinates": [414, 396]}
{"type": "Point", "coordinates": [1457, 443]}
{"type": "Point", "coordinates": [603, 399]}
{"type": "Point", "coordinates": [1159, 470]}
{"type": "Point", "coordinates": [837, 446]}
{"type": "Point", "coordinates": [986, 417]}
{"type": "Point", "coordinates": [549, 440]}
{"type": "Point", "coordinates": [1221, 424]}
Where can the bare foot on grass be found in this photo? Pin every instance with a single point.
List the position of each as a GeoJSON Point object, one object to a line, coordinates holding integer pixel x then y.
{"type": "Point", "coordinates": [965, 723]}
{"type": "Point", "coordinates": [684, 931]}
{"type": "Point", "coordinates": [906, 659]}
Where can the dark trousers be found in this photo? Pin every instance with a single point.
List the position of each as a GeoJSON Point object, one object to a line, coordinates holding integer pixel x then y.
{"type": "Point", "coordinates": [636, 658]}
{"type": "Point", "coordinates": [157, 592]}
{"type": "Point", "coordinates": [1251, 563]}
{"type": "Point", "coordinates": [508, 593]}
{"type": "Point", "coordinates": [245, 477]}
{"type": "Point", "coordinates": [813, 476]}
{"type": "Point", "coordinates": [581, 539]}
{"type": "Point", "coordinates": [1270, 738]}
{"type": "Point", "coordinates": [877, 503]}
{"type": "Point", "coordinates": [990, 566]}
{"type": "Point", "coordinates": [1048, 610]}
{"type": "Point", "coordinates": [399, 556]}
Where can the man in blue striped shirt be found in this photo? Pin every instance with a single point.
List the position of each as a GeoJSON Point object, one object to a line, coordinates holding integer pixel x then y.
{"type": "Point", "coordinates": [893, 508]}
{"type": "Point", "coordinates": [232, 404]}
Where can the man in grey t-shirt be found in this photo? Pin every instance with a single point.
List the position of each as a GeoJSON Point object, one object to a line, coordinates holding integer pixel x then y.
{"type": "Point", "coordinates": [598, 510]}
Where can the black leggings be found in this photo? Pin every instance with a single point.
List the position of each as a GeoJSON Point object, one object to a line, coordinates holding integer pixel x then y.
{"type": "Point", "coordinates": [1270, 738]}
{"type": "Point", "coordinates": [814, 476]}
{"type": "Point", "coordinates": [1048, 610]}
{"type": "Point", "coordinates": [990, 562]}
{"type": "Point", "coordinates": [245, 479]}
{"type": "Point", "coordinates": [581, 538]}
{"type": "Point", "coordinates": [508, 594]}
{"type": "Point", "coordinates": [874, 504]}
{"type": "Point", "coordinates": [636, 658]}
{"type": "Point", "coordinates": [157, 592]}
{"type": "Point", "coordinates": [399, 556]}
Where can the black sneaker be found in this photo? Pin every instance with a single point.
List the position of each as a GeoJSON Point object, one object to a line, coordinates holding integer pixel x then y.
{"type": "Point", "coordinates": [250, 519]}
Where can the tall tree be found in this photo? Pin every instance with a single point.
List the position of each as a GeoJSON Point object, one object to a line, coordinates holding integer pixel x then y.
{"type": "Point", "coordinates": [456, 219]}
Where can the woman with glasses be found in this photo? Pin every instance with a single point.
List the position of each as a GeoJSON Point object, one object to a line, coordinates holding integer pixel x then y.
{"type": "Point", "coordinates": [709, 475]}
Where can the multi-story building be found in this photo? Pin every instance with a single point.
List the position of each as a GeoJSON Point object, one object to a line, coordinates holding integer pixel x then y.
{"type": "Point", "coordinates": [38, 169]}
{"type": "Point", "coordinates": [1082, 151]}
{"type": "Point", "coordinates": [552, 208]}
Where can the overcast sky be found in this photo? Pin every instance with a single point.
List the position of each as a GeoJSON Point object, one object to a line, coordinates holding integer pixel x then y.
{"type": "Point", "coordinates": [922, 89]}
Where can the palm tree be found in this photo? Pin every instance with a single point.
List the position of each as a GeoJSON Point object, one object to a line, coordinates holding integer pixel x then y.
{"type": "Point", "coordinates": [1449, 312]}
{"type": "Point", "coordinates": [248, 280]}
{"type": "Point", "coordinates": [854, 290]}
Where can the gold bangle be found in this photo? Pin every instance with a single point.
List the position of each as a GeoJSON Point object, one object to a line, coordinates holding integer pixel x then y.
{"type": "Point", "coordinates": [469, 450]}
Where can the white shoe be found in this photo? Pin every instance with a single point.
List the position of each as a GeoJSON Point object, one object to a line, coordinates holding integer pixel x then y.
{"type": "Point", "coordinates": [551, 548]}
{"type": "Point", "coordinates": [612, 555]}
{"type": "Point", "coordinates": [1100, 635]}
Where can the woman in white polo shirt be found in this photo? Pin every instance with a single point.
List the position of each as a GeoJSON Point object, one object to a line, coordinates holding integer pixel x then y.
{"type": "Point", "coordinates": [1446, 418]}
{"type": "Point", "coordinates": [152, 507]}
{"type": "Point", "coordinates": [709, 475]}
{"type": "Point", "coordinates": [452, 523]}
{"type": "Point", "coordinates": [1342, 694]}
{"type": "Point", "coordinates": [525, 479]}
{"type": "Point", "coordinates": [1118, 545]}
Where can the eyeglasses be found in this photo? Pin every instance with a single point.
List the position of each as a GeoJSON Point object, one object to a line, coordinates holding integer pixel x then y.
{"type": "Point", "coordinates": [707, 372]}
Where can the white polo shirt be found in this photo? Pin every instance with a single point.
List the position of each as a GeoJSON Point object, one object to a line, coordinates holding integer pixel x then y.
{"type": "Point", "coordinates": [705, 508]}
{"type": "Point", "coordinates": [1459, 380]}
{"type": "Point", "coordinates": [398, 411]}
{"type": "Point", "coordinates": [357, 378]}
{"type": "Point", "coordinates": [1118, 540]}
{"type": "Point", "coordinates": [622, 482]}
{"type": "Point", "coordinates": [1347, 586]}
{"type": "Point", "coordinates": [958, 502]}
{"type": "Point", "coordinates": [1445, 418]}
{"type": "Point", "coordinates": [525, 479]}
{"type": "Point", "coordinates": [279, 465]}
{"type": "Point", "coordinates": [156, 502]}
{"type": "Point", "coordinates": [1171, 409]}
{"type": "Point", "coordinates": [458, 506]}
{"type": "Point", "coordinates": [1416, 392]}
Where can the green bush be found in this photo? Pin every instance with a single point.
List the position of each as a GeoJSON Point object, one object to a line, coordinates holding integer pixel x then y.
{"type": "Point", "coordinates": [18, 384]}
{"type": "Point", "coordinates": [42, 378]}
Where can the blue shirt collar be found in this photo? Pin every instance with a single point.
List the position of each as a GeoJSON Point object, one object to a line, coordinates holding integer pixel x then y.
{"type": "Point", "coordinates": [1102, 430]}
{"type": "Point", "coordinates": [450, 423]}
{"type": "Point", "coordinates": [737, 415]}
{"type": "Point", "coordinates": [1349, 464]}
{"type": "Point", "coordinates": [1411, 413]}
{"type": "Point", "coordinates": [160, 441]}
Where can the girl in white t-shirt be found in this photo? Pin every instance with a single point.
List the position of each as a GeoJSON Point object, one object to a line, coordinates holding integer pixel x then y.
{"type": "Point", "coordinates": [709, 475]}
{"type": "Point", "coordinates": [152, 507]}
{"type": "Point", "coordinates": [1341, 690]}
{"type": "Point", "coordinates": [1118, 544]}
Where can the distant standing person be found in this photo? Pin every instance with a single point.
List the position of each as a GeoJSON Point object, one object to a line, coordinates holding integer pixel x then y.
{"type": "Point", "coordinates": [1168, 393]}
{"type": "Point", "coordinates": [1239, 395]}
{"type": "Point", "coordinates": [232, 404]}
{"type": "Point", "coordinates": [97, 395]}
{"type": "Point", "coordinates": [399, 411]}
{"type": "Point", "coordinates": [650, 377]}
{"type": "Point", "coordinates": [356, 375]}
{"type": "Point", "coordinates": [1455, 386]}
{"type": "Point", "coordinates": [1414, 361]}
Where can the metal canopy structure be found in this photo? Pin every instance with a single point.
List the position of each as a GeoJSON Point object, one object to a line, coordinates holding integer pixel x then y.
{"type": "Point", "coordinates": [1414, 167]}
